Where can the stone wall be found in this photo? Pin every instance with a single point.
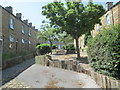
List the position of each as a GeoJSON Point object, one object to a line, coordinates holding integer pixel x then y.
{"type": "Point", "coordinates": [13, 61]}
{"type": "Point", "coordinates": [102, 80]}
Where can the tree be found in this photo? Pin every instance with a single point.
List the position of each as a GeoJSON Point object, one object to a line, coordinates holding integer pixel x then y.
{"type": "Point", "coordinates": [65, 38]}
{"type": "Point", "coordinates": [87, 37]}
{"type": "Point", "coordinates": [47, 34]}
{"type": "Point", "coordinates": [73, 17]}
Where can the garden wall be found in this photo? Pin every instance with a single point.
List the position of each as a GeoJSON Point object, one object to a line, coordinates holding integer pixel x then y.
{"type": "Point", "coordinates": [102, 80]}
{"type": "Point", "coordinates": [13, 61]}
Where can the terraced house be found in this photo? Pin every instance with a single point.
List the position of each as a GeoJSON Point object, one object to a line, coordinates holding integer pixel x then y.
{"type": "Point", "coordinates": [17, 35]}
{"type": "Point", "coordinates": [111, 17]}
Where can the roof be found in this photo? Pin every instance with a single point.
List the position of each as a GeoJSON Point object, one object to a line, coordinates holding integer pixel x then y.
{"type": "Point", "coordinates": [113, 6]}
{"type": "Point", "coordinates": [18, 19]}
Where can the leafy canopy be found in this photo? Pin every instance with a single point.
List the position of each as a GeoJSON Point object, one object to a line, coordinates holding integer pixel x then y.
{"type": "Point", "coordinates": [73, 17]}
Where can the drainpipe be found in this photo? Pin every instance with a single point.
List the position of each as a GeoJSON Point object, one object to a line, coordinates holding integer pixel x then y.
{"type": "Point", "coordinates": [112, 16]}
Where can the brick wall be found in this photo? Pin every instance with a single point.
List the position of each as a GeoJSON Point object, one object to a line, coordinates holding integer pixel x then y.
{"type": "Point", "coordinates": [18, 35]}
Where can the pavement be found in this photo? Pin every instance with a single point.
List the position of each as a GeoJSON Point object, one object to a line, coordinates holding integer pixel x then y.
{"type": "Point", "coordinates": [38, 76]}
{"type": "Point", "coordinates": [10, 73]}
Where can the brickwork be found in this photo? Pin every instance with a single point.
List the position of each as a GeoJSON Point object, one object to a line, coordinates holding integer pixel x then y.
{"type": "Point", "coordinates": [16, 33]}
{"type": "Point", "coordinates": [114, 14]}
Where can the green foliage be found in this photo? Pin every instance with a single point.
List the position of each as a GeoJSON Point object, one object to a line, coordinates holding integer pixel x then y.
{"type": "Point", "coordinates": [104, 51]}
{"type": "Point", "coordinates": [10, 55]}
{"type": "Point", "coordinates": [43, 49]}
{"type": "Point", "coordinates": [87, 37]}
{"type": "Point", "coordinates": [69, 47]}
{"type": "Point", "coordinates": [54, 46]}
{"type": "Point", "coordinates": [73, 17]}
{"type": "Point", "coordinates": [65, 38]}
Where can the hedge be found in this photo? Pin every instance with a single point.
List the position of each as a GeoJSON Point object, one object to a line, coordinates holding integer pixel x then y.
{"type": "Point", "coordinates": [43, 49]}
{"type": "Point", "coordinates": [69, 47]}
{"type": "Point", "coordinates": [54, 46]}
{"type": "Point", "coordinates": [104, 51]}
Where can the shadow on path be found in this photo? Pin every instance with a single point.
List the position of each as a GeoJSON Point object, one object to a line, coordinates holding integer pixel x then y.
{"type": "Point", "coordinates": [14, 71]}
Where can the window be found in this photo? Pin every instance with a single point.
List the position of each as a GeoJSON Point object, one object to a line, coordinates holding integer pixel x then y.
{"type": "Point", "coordinates": [11, 38]}
{"type": "Point", "coordinates": [23, 31]}
{"type": "Point", "coordinates": [107, 19]}
{"type": "Point", "coordinates": [97, 27]}
{"type": "Point", "coordinates": [23, 41]}
{"type": "Point", "coordinates": [11, 23]}
{"type": "Point", "coordinates": [29, 42]}
{"type": "Point", "coordinates": [29, 32]}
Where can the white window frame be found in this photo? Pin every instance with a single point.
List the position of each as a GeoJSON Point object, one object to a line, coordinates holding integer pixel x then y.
{"type": "Point", "coordinates": [29, 42]}
{"type": "Point", "coordinates": [23, 41]}
{"type": "Point", "coordinates": [23, 30]}
{"type": "Point", "coordinates": [29, 33]}
{"type": "Point", "coordinates": [12, 23]}
{"type": "Point", "coordinates": [11, 38]}
{"type": "Point", "coordinates": [107, 19]}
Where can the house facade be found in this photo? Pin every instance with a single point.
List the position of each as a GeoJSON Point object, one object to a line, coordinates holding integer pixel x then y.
{"type": "Point", "coordinates": [17, 35]}
{"type": "Point", "coordinates": [111, 17]}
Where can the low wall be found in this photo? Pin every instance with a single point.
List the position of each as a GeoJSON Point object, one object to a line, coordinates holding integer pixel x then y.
{"type": "Point", "coordinates": [13, 61]}
{"type": "Point", "coordinates": [102, 80]}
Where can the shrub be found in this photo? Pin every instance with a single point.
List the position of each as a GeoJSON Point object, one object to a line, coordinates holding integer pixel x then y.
{"type": "Point", "coordinates": [87, 37]}
{"type": "Point", "coordinates": [43, 49]}
{"type": "Point", "coordinates": [69, 47]}
{"type": "Point", "coordinates": [104, 52]}
{"type": "Point", "coordinates": [54, 46]}
{"type": "Point", "coordinates": [64, 47]}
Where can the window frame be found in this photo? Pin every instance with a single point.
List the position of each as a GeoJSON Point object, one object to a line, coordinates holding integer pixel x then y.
{"type": "Point", "coordinates": [108, 19]}
{"type": "Point", "coordinates": [29, 32]}
{"type": "Point", "coordinates": [12, 23]}
{"type": "Point", "coordinates": [23, 29]}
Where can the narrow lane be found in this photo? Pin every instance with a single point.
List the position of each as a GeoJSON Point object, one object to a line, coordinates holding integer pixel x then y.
{"type": "Point", "coordinates": [38, 76]}
{"type": "Point", "coordinates": [14, 71]}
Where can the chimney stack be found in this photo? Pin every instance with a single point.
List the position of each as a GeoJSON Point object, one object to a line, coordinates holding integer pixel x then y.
{"type": "Point", "coordinates": [30, 24]}
{"type": "Point", "coordinates": [33, 27]}
{"type": "Point", "coordinates": [109, 5]}
{"type": "Point", "coordinates": [19, 15]}
{"type": "Point", "coordinates": [9, 9]}
{"type": "Point", "coordinates": [25, 21]}
{"type": "Point", "coordinates": [36, 29]}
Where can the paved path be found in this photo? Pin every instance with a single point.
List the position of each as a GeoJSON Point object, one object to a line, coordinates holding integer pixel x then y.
{"type": "Point", "coordinates": [38, 76]}
{"type": "Point", "coordinates": [14, 71]}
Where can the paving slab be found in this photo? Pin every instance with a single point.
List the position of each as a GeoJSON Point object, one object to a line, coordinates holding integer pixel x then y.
{"type": "Point", "coordinates": [38, 76]}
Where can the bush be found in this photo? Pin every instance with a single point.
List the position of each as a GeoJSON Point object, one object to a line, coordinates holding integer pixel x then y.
{"type": "Point", "coordinates": [104, 52]}
{"type": "Point", "coordinates": [69, 47]}
{"type": "Point", "coordinates": [87, 37]}
{"type": "Point", "coordinates": [43, 49]}
{"type": "Point", "coordinates": [54, 46]}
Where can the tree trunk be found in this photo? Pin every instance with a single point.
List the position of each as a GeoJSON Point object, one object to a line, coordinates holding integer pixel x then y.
{"type": "Point", "coordinates": [51, 46]}
{"type": "Point", "coordinates": [77, 48]}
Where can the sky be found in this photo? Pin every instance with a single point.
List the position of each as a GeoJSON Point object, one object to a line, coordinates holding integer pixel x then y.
{"type": "Point", "coordinates": [32, 9]}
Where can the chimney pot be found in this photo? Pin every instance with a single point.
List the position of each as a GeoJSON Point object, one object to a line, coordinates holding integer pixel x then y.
{"type": "Point", "coordinates": [19, 15]}
{"type": "Point", "coordinates": [109, 5]}
{"type": "Point", "coordinates": [30, 24]}
{"type": "Point", "coordinates": [33, 27]}
{"type": "Point", "coordinates": [25, 21]}
{"type": "Point", "coordinates": [9, 9]}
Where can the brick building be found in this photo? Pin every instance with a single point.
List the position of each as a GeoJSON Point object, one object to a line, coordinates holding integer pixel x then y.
{"type": "Point", "coordinates": [17, 35]}
{"type": "Point", "coordinates": [111, 17]}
